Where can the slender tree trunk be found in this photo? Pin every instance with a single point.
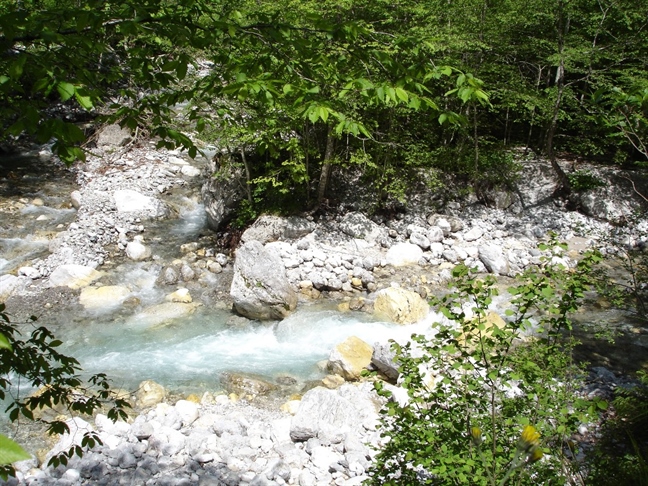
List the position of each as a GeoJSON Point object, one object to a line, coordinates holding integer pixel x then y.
{"type": "Point", "coordinates": [476, 138]}
{"type": "Point", "coordinates": [326, 165]}
{"type": "Point", "coordinates": [564, 186]}
{"type": "Point", "coordinates": [248, 177]}
{"type": "Point", "coordinates": [306, 162]}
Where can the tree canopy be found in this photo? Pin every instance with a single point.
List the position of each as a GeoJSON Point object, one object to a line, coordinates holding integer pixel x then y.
{"type": "Point", "coordinates": [293, 89]}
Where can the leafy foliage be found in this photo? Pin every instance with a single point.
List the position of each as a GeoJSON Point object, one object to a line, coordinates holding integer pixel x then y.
{"type": "Point", "coordinates": [621, 456]}
{"type": "Point", "coordinates": [479, 381]}
{"type": "Point", "coordinates": [34, 362]}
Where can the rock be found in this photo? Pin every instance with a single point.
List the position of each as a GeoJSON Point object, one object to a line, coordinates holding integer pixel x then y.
{"type": "Point", "coordinates": [161, 314]}
{"type": "Point", "coordinates": [473, 234]}
{"type": "Point", "coordinates": [383, 359]}
{"type": "Point", "coordinates": [265, 229]}
{"type": "Point", "coordinates": [435, 234]}
{"type": "Point", "coordinates": [494, 260]}
{"type": "Point", "coordinates": [127, 201]}
{"type": "Point", "coordinates": [75, 199]}
{"type": "Point", "coordinates": [106, 297]}
{"type": "Point", "coordinates": [8, 285]}
{"type": "Point", "coordinates": [169, 275]}
{"type": "Point", "coordinates": [491, 320]}
{"type": "Point", "coordinates": [113, 136]}
{"type": "Point", "coordinates": [350, 357]}
{"type": "Point", "coordinates": [296, 227]}
{"type": "Point", "coordinates": [420, 239]}
{"type": "Point", "coordinates": [189, 171]}
{"type": "Point", "coordinates": [245, 384]}
{"type": "Point", "coordinates": [149, 394]}
{"type": "Point", "coordinates": [222, 195]}
{"type": "Point", "coordinates": [260, 288]}
{"type": "Point", "coordinates": [77, 429]}
{"type": "Point", "coordinates": [269, 228]}
{"type": "Point", "coordinates": [180, 295]}
{"type": "Point", "coordinates": [187, 411]}
{"type": "Point", "coordinates": [327, 413]}
{"type": "Point", "coordinates": [357, 225]}
{"type": "Point", "coordinates": [403, 254]}
{"type": "Point", "coordinates": [444, 225]}
{"type": "Point", "coordinates": [73, 276]}
{"type": "Point", "coordinates": [137, 251]}
{"type": "Point", "coordinates": [400, 305]}
{"type": "Point", "coordinates": [29, 272]}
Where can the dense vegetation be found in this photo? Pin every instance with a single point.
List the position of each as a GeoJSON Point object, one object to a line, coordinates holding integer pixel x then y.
{"type": "Point", "coordinates": [294, 89]}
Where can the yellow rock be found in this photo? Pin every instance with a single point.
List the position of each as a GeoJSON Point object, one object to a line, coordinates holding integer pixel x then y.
{"type": "Point", "coordinates": [291, 406]}
{"type": "Point", "coordinates": [343, 307]}
{"type": "Point", "coordinates": [350, 357]}
{"type": "Point", "coordinates": [180, 295]}
{"type": "Point", "coordinates": [192, 397]}
{"type": "Point", "coordinates": [103, 297]}
{"type": "Point", "coordinates": [400, 305]}
{"type": "Point", "coordinates": [491, 320]}
{"type": "Point", "coordinates": [333, 381]}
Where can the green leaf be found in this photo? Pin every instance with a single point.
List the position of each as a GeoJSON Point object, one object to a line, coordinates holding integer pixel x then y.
{"type": "Point", "coordinates": [402, 94]}
{"type": "Point", "coordinates": [181, 70]}
{"type": "Point", "coordinates": [4, 342]}
{"type": "Point", "coordinates": [66, 90]}
{"type": "Point", "coordinates": [11, 452]}
{"type": "Point", "coordinates": [84, 101]}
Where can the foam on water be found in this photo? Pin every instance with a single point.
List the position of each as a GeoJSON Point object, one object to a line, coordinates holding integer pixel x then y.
{"type": "Point", "coordinates": [195, 350]}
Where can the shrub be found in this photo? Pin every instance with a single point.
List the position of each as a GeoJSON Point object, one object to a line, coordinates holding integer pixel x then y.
{"type": "Point", "coordinates": [487, 402]}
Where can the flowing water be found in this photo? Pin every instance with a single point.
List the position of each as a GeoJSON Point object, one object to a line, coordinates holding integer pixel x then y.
{"type": "Point", "coordinates": [190, 353]}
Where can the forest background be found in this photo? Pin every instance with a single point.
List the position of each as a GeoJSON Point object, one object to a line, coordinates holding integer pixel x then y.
{"type": "Point", "coordinates": [397, 91]}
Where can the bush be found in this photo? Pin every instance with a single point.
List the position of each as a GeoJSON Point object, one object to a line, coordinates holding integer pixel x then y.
{"type": "Point", "coordinates": [486, 402]}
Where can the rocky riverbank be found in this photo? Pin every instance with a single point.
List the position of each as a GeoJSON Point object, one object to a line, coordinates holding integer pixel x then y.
{"type": "Point", "coordinates": [124, 202]}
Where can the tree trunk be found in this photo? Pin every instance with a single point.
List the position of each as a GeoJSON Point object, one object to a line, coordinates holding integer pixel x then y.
{"type": "Point", "coordinates": [326, 165]}
{"type": "Point", "coordinates": [248, 176]}
{"type": "Point", "coordinates": [564, 186]}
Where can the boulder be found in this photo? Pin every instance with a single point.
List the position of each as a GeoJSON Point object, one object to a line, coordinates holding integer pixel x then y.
{"type": "Point", "coordinates": [490, 321]}
{"type": "Point", "coordinates": [328, 413]}
{"type": "Point", "coordinates": [400, 305]}
{"type": "Point", "coordinates": [128, 201]}
{"type": "Point", "coordinates": [357, 225]}
{"type": "Point", "coordinates": [420, 239]}
{"type": "Point", "coordinates": [161, 314]}
{"type": "Point", "coordinates": [149, 394]}
{"type": "Point", "coordinates": [383, 359]}
{"type": "Point", "coordinates": [350, 357]}
{"type": "Point", "coordinates": [494, 260]}
{"type": "Point", "coordinates": [245, 384]}
{"type": "Point", "coordinates": [109, 296]}
{"type": "Point", "coordinates": [269, 228]}
{"type": "Point", "coordinates": [222, 195]}
{"type": "Point", "coordinates": [113, 136]}
{"type": "Point", "coordinates": [136, 250]}
{"type": "Point", "coordinates": [73, 276]}
{"type": "Point", "coordinates": [76, 199]}
{"type": "Point", "coordinates": [473, 234]}
{"type": "Point", "coordinates": [8, 284]}
{"type": "Point", "coordinates": [260, 289]}
{"type": "Point", "coordinates": [449, 223]}
{"type": "Point", "coordinates": [403, 254]}
{"type": "Point", "coordinates": [181, 295]}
